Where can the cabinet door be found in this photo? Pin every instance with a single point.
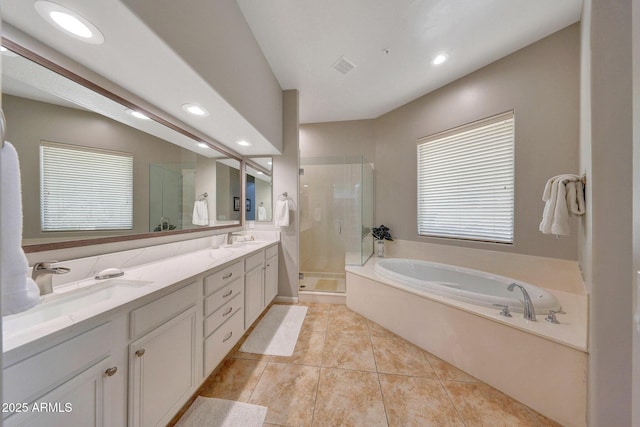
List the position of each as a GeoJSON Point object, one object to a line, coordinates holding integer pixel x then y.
{"type": "Point", "coordinates": [163, 371]}
{"type": "Point", "coordinates": [253, 295]}
{"type": "Point", "coordinates": [270, 280]}
{"type": "Point", "coordinates": [81, 401]}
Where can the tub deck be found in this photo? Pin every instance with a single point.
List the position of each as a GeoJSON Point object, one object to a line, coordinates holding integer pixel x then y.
{"type": "Point", "coordinates": [543, 365]}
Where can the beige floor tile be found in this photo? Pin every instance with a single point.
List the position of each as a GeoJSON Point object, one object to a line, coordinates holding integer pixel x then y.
{"type": "Point", "coordinates": [235, 379]}
{"type": "Point", "coordinates": [308, 350]}
{"type": "Point", "coordinates": [447, 371]}
{"type": "Point", "coordinates": [347, 321]}
{"type": "Point", "coordinates": [377, 330]}
{"type": "Point", "coordinates": [316, 321]}
{"type": "Point", "coordinates": [415, 401]}
{"type": "Point", "coordinates": [313, 307]}
{"type": "Point", "coordinates": [482, 405]}
{"type": "Point", "coordinates": [348, 351]}
{"type": "Point", "coordinates": [349, 398]}
{"type": "Point", "coordinates": [395, 355]}
{"type": "Point", "coordinates": [289, 391]}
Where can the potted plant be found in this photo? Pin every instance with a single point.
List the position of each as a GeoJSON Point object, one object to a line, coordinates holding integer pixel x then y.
{"type": "Point", "coordinates": [381, 234]}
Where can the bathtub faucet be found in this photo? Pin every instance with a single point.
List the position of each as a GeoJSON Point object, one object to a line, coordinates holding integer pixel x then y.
{"type": "Point", "coordinates": [529, 312]}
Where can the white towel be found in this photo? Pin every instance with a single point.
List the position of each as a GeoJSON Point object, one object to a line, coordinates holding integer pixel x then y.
{"type": "Point", "coordinates": [563, 195]}
{"type": "Point", "coordinates": [281, 214]}
{"type": "Point", "coordinates": [262, 213]}
{"type": "Point", "coordinates": [19, 291]}
{"type": "Point", "coordinates": [200, 213]}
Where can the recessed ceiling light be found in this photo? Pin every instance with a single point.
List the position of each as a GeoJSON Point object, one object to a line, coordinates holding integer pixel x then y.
{"type": "Point", "coordinates": [243, 143]}
{"type": "Point", "coordinates": [260, 173]}
{"type": "Point", "coordinates": [137, 114]}
{"type": "Point", "coordinates": [269, 163]}
{"type": "Point", "coordinates": [73, 24]}
{"type": "Point", "coordinates": [195, 109]}
{"type": "Point", "coordinates": [439, 59]}
{"type": "Point", "coordinates": [203, 145]}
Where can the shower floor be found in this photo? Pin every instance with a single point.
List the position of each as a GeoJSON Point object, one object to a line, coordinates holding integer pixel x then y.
{"type": "Point", "coordinates": [323, 282]}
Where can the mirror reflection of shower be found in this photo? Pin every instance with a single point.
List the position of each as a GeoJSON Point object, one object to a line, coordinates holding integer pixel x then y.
{"type": "Point", "coordinates": [336, 217]}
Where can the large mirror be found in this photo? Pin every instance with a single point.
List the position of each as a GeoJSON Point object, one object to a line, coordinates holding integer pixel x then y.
{"type": "Point", "coordinates": [259, 192]}
{"type": "Point", "coordinates": [92, 168]}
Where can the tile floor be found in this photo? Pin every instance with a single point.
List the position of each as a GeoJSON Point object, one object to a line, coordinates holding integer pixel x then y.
{"type": "Point", "coordinates": [349, 371]}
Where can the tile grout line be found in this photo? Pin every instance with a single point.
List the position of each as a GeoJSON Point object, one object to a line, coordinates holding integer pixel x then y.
{"type": "Point", "coordinates": [375, 361]}
{"type": "Point", "coordinates": [324, 342]}
{"type": "Point", "coordinates": [446, 392]}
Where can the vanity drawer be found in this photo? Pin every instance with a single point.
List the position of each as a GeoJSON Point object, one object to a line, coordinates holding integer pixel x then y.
{"type": "Point", "coordinates": [154, 314]}
{"type": "Point", "coordinates": [254, 261]}
{"type": "Point", "coordinates": [220, 278]}
{"type": "Point", "coordinates": [222, 296]}
{"type": "Point", "coordinates": [222, 341]}
{"type": "Point", "coordinates": [271, 252]}
{"type": "Point", "coordinates": [221, 315]}
{"type": "Point", "coordinates": [32, 377]}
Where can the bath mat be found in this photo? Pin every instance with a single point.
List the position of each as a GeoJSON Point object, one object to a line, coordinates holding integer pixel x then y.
{"type": "Point", "coordinates": [277, 332]}
{"type": "Point", "coordinates": [326, 285]}
{"type": "Point", "coordinates": [210, 412]}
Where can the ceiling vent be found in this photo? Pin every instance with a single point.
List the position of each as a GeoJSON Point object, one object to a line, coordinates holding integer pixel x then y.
{"type": "Point", "coordinates": [343, 65]}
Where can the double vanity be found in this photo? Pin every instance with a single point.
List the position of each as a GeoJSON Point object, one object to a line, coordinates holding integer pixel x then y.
{"type": "Point", "coordinates": [132, 350]}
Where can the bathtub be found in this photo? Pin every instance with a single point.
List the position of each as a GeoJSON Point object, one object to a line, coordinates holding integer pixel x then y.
{"type": "Point", "coordinates": [464, 284]}
{"type": "Point", "coordinates": [448, 311]}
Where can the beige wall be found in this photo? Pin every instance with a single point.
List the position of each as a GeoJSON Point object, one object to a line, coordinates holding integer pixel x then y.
{"type": "Point", "coordinates": [348, 138]}
{"type": "Point", "coordinates": [231, 61]}
{"type": "Point", "coordinates": [33, 121]}
{"type": "Point", "coordinates": [539, 82]}
{"type": "Point", "coordinates": [285, 179]}
{"type": "Point", "coordinates": [607, 242]}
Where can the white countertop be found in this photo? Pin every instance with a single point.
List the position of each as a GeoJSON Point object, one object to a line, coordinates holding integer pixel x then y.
{"type": "Point", "coordinates": [160, 274]}
{"type": "Point", "coordinates": [572, 330]}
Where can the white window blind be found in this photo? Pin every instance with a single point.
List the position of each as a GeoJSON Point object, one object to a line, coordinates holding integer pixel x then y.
{"type": "Point", "coordinates": [85, 189]}
{"type": "Point", "coordinates": [466, 180]}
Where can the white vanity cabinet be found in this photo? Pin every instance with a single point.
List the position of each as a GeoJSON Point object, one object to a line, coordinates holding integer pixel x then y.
{"type": "Point", "coordinates": [253, 288]}
{"type": "Point", "coordinates": [163, 361]}
{"type": "Point", "coordinates": [270, 274]}
{"type": "Point", "coordinates": [75, 382]}
{"type": "Point", "coordinates": [261, 282]}
{"type": "Point", "coordinates": [223, 313]}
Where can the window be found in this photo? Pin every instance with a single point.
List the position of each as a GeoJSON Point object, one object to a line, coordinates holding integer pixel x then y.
{"type": "Point", "coordinates": [465, 181]}
{"type": "Point", "coordinates": [85, 189]}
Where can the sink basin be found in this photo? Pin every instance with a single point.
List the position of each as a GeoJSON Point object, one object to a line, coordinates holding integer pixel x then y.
{"type": "Point", "coordinates": [59, 304]}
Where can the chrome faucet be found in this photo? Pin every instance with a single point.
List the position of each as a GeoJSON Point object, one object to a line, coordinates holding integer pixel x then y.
{"type": "Point", "coordinates": [529, 312]}
{"type": "Point", "coordinates": [42, 275]}
{"type": "Point", "coordinates": [230, 236]}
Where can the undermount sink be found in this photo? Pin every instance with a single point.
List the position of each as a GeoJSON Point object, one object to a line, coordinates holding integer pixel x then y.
{"type": "Point", "coordinates": [245, 243]}
{"type": "Point", "coordinates": [59, 304]}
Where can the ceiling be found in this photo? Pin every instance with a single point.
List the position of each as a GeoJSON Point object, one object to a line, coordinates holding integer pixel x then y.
{"type": "Point", "coordinates": [390, 42]}
{"type": "Point", "coordinates": [303, 39]}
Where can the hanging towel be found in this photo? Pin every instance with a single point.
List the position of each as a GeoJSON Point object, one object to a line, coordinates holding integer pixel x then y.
{"type": "Point", "coordinates": [262, 213]}
{"type": "Point", "coordinates": [563, 195]}
{"type": "Point", "coordinates": [19, 291]}
{"type": "Point", "coordinates": [281, 214]}
{"type": "Point", "coordinates": [200, 213]}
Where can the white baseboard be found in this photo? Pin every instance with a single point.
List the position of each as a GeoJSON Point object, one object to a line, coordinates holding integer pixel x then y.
{"type": "Point", "coordinates": [289, 300]}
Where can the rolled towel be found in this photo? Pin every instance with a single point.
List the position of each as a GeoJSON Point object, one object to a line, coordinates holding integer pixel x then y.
{"type": "Point", "coordinates": [19, 291]}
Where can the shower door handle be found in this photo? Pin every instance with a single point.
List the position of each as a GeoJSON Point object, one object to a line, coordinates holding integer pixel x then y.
{"type": "Point", "coordinates": [339, 223]}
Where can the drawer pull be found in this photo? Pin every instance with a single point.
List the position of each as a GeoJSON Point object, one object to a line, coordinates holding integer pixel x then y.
{"type": "Point", "coordinates": [226, 276]}
{"type": "Point", "coordinates": [226, 338]}
{"type": "Point", "coordinates": [226, 313]}
{"type": "Point", "coordinates": [228, 294]}
{"type": "Point", "coordinates": [140, 352]}
{"type": "Point", "coordinates": [111, 371]}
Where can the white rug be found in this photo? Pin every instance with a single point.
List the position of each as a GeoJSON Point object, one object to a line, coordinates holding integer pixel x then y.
{"type": "Point", "coordinates": [210, 412]}
{"type": "Point", "coordinates": [277, 332]}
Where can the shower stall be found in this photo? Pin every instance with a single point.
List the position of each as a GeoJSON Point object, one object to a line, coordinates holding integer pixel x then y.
{"type": "Point", "coordinates": [336, 217]}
